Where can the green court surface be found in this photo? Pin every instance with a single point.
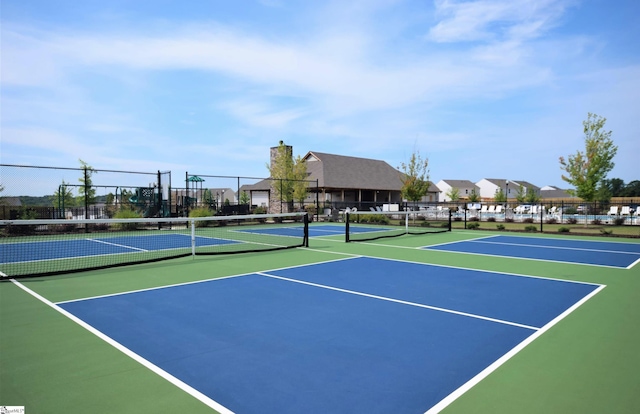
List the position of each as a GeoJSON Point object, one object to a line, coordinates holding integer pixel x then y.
{"type": "Point", "coordinates": [589, 362]}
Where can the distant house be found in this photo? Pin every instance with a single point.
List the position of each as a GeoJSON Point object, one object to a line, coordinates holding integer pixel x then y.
{"type": "Point", "coordinates": [343, 181]}
{"type": "Point", "coordinates": [549, 191]}
{"type": "Point", "coordinates": [464, 187]}
{"type": "Point", "coordinates": [9, 207]}
{"type": "Point", "coordinates": [511, 188]}
{"type": "Point", "coordinates": [489, 187]}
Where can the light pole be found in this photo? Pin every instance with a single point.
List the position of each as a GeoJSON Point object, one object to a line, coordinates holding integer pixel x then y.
{"type": "Point", "coordinates": [506, 195]}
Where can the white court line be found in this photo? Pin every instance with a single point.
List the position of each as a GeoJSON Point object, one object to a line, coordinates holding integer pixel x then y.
{"type": "Point", "coordinates": [154, 368]}
{"type": "Point", "coordinates": [403, 302]}
{"type": "Point", "coordinates": [524, 258]}
{"type": "Point", "coordinates": [117, 245]}
{"type": "Point", "coordinates": [488, 370]}
{"type": "Point", "coordinates": [546, 247]}
{"type": "Point", "coordinates": [213, 279]}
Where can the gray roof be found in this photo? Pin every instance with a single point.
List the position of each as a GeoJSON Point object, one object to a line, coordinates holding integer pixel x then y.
{"type": "Point", "coordinates": [526, 184]}
{"type": "Point", "coordinates": [460, 183]}
{"type": "Point", "coordinates": [340, 171]}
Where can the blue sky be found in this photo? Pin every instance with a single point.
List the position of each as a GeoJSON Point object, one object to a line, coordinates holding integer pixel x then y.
{"type": "Point", "coordinates": [483, 89]}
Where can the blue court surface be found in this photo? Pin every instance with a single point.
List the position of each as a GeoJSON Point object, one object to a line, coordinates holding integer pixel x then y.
{"type": "Point", "coordinates": [314, 230]}
{"type": "Point", "coordinates": [596, 253]}
{"type": "Point", "coordinates": [359, 335]}
{"type": "Point", "coordinates": [73, 248]}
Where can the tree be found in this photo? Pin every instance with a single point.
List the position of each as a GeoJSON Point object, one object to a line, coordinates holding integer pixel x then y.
{"type": "Point", "coordinates": [453, 194]}
{"type": "Point", "coordinates": [244, 198]}
{"type": "Point", "coordinates": [207, 198]}
{"type": "Point", "coordinates": [531, 196]}
{"type": "Point", "coordinates": [415, 180]}
{"type": "Point", "coordinates": [521, 195]}
{"type": "Point", "coordinates": [63, 196]}
{"type": "Point", "coordinates": [300, 184]}
{"type": "Point", "coordinates": [286, 173]}
{"type": "Point", "coordinates": [500, 196]}
{"type": "Point", "coordinates": [632, 189]}
{"type": "Point", "coordinates": [474, 197]}
{"type": "Point", "coordinates": [87, 194]}
{"type": "Point", "coordinates": [587, 169]}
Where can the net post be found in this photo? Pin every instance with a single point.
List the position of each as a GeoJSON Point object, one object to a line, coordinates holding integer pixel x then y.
{"type": "Point", "coordinates": [193, 237]}
{"type": "Point", "coordinates": [451, 215]}
{"type": "Point", "coordinates": [346, 228]}
{"type": "Point", "coordinates": [406, 222]}
{"type": "Point", "coordinates": [306, 230]}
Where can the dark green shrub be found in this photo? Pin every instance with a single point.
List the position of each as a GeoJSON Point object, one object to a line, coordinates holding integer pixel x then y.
{"type": "Point", "coordinates": [500, 226]}
{"type": "Point", "coordinates": [126, 213]}
{"type": "Point", "coordinates": [473, 225]}
{"type": "Point", "coordinates": [563, 230]}
{"type": "Point", "coordinates": [532, 229]}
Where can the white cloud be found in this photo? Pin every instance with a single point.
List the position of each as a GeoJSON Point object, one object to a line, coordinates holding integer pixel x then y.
{"type": "Point", "coordinates": [490, 20]}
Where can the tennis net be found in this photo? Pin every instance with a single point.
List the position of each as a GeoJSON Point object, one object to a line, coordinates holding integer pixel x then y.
{"type": "Point", "coordinates": [47, 247]}
{"type": "Point", "coordinates": [365, 226]}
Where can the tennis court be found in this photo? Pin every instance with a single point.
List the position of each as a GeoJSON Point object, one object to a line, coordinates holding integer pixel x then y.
{"type": "Point", "coordinates": [394, 325]}
{"type": "Point", "coordinates": [594, 253]}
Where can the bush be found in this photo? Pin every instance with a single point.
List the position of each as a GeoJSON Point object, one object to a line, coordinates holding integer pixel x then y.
{"type": "Point", "coordinates": [500, 226]}
{"type": "Point", "coordinates": [374, 219]}
{"type": "Point", "coordinates": [260, 210]}
{"type": "Point", "coordinates": [508, 220]}
{"type": "Point", "coordinates": [605, 232]}
{"type": "Point", "coordinates": [528, 220]}
{"type": "Point", "coordinates": [532, 229]}
{"type": "Point", "coordinates": [201, 212]}
{"type": "Point", "coordinates": [619, 221]}
{"type": "Point", "coordinates": [563, 230]}
{"type": "Point", "coordinates": [551, 220]}
{"type": "Point", "coordinates": [491, 219]}
{"type": "Point", "coordinates": [126, 213]}
{"type": "Point", "coordinates": [474, 219]}
{"type": "Point", "coordinates": [596, 221]}
{"type": "Point", "coordinates": [572, 220]}
{"type": "Point", "coordinates": [473, 225]}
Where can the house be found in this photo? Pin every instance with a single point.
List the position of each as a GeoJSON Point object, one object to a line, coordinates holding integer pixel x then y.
{"type": "Point", "coordinates": [511, 188]}
{"type": "Point", "coordinates": [490, 186]}
{"type": "Point", "coordinates": [464, 187]}
{"type": "Point", "coordinates": [549, 192]}
{"type": "Point", "coordinates": [343, 181]}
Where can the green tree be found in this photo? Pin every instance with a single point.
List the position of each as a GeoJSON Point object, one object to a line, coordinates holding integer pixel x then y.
{"type": "Point", "coordinates": [244, 198]}
{"type": "Point", "coordinates": [585, 170]}
{"type": "Point", "coordinates": [521, 195]}
{"type": "Point", "coordinates": [474, 197]}
{"type": "Point", "coordinates": [632, 189]}
{"type": "Point", "coordinates": [415, 180]}
{"type": "Point", "coordinates": [286, 172]}
{"type": "Point", "coordinates": [500, 196]}
{"type": "Point", "coordinates": [531, 196]}
{"type": "Point", "coordinates": [453, 194]}
{"type": "Point", "coordinates": [207, 197]}
{"type": "Point", "coordinates": [63, 196]}
{"type": "Point", "coordinates": [86, 192]}
{"type": "Point", "coordinates": [300, 184]}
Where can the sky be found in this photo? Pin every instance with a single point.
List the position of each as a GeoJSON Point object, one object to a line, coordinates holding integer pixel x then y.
{"type": "Point", "coordinates": [482, 89]}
